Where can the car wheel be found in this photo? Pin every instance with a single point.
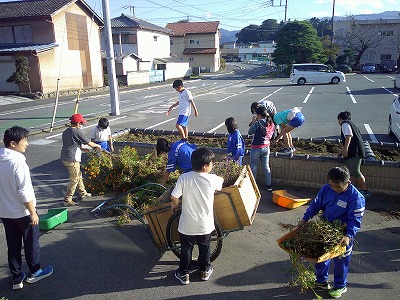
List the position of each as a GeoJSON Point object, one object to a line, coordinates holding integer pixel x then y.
{"type": "Point", "coordinates": [335, 80]}
{"type": "Point", "coordinates": [301, 81]}
{"type": "Point", "coordinates": [390, 131]}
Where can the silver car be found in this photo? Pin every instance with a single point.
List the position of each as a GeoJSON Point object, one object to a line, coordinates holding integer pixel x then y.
{"type": "Point", "coordinates": [394, 118]}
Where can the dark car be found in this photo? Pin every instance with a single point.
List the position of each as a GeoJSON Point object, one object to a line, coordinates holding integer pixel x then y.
{"type": "Point", "coordinates": [368, 68]}
{"type": "Point", "coordinates": [344, 68]}
{"type": "Point", "coordinates": [388, 66]}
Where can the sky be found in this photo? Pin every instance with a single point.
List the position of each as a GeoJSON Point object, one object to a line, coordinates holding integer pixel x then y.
{"type": "Point", "coordinates": [236, 14]}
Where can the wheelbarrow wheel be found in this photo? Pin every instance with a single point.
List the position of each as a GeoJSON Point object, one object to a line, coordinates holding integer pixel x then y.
{"type": "Point", "coordinates": [174, 241]}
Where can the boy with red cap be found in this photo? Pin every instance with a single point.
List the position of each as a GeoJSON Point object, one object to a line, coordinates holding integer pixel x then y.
{"type": "Point", "coordinates": [73, 138]}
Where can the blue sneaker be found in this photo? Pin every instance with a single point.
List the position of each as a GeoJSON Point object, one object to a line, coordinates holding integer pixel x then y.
{"type": "Point", "coordinates": [19, 284]}
{"type": "Point", "coordinates": [40, 274]}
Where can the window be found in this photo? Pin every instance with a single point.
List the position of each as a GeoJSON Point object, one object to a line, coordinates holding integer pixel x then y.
{"type": "Point", "coordinates": [6, 35]}
{"type": "Point", "coordinates": [193, 42]}
{"type": "Point", "coordinates": [125, 38]}
{"type": "Point", "coordinates": [21, 34]}
{"type": "Point", "coordinates": [386, 33]}
{"type": "Point", "coordinates": [191, 59]}
{"type": "Point", "coordinates": [386, 56]}
{"type": "Point", "coordinates": [155, 38]}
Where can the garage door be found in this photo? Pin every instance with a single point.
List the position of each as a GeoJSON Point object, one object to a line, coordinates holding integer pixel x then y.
{"type": "Point", "coordinates": [7, 67]}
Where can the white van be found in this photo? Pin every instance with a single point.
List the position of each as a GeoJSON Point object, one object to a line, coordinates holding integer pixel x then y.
{"type": "Point", "coordinates": [316, 73]}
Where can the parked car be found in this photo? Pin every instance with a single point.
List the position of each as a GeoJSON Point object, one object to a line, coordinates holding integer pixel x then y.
{"type": "Point", "coordinates": [397, 81]}
{"type": "Point", "coordinates": [394, 118]}
{"type": "Point", "coordinates": [344, 68]}
{"type": "Point", "coordinates": [368, 68]}
{"type": "Point", "coordinates": [388, 66]}
{"type": "Point", "coordinates": [318, 73]}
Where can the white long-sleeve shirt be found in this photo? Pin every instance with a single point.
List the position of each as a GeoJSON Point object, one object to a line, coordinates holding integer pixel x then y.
{"type": "Point", "coordinates": [15, 185]}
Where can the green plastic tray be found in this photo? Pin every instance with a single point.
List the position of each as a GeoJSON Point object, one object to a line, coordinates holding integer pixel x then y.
{"type": "Point", "coordinates": [53, 217]}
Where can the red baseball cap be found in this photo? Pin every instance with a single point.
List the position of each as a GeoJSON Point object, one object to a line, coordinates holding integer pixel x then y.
{"type": "Point", "coordinates": [77, 118]}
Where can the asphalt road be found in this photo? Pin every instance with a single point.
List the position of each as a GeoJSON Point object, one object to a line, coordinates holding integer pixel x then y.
{"type": "Point", "coordinates": [368, 97]}
{"type": "Point", "coordinates": [94, 259]}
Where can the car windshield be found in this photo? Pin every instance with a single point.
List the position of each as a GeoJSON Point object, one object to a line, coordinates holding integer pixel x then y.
{"type": "Point", "coordinates": [389, 63]}
{"type": "Point", "coordinates": [370, 65]}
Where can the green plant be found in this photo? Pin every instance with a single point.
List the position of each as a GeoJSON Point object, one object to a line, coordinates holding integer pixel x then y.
{"type": "Point", "coordinates": [227, 169]}
{"type": "Point", "coordinates": [21, 75]}
{"type": "Point", "coordinates": [311, 240]}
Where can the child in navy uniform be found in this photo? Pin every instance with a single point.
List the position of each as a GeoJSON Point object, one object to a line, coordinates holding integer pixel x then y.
{"type": "Point", "coordinates": [338, 200]}
{"type": "Point", "coordinates": [235, 144]}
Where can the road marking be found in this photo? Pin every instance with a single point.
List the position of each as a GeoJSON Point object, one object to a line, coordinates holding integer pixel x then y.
{"type": "Point", "coordinates": [269, 81]}
{"type": "Point", "coordinates": [58, 134]}
{"type": "Point", "coordinates": [271, 94]}
{"type": "Point", "coordinates": [371, 133]}
{"type": "Point", "coordinates": [389, 91]}
{"type": "Point", "coordinates": [351, 95]}
{"type": "Point", "coordinates": [368, 79]}
{"type": "Point", "coordinates": [226, 98]}
{"type": "Point", "coordinates": [309, 94]}
{"type": "Point", "coordinates": [215, 128]}
{"type": "Point", "coordinates": [391, 77]}
{"type": "Point", "coordinates": [169, 120]}
{"type": "Point", "coordinates": [245, 91]}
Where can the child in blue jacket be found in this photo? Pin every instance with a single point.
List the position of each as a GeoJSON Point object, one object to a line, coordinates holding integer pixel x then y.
{"type": "Point", "coordinates": [338, 200]}
{"type": "Point", "coordinates": [235, 144]}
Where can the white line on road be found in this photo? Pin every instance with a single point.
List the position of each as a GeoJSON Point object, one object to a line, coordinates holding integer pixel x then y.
{"type": "Point", "coordinates": [391, 77]}
{"type": "Point", "coordinates": [368, 79]}
{"type": "Point", "coordinates": [245, 91]}
{"type": "Point", "coordinates": [351, 95]}
{"type": "Point", "coordinates": [215, 128]}
{"type": "Point", "coordinates": [226, 98]}
{"type": "Point", "coordinates": [309, 94]}
{"type": "Point", "coordinates": [389, 91]}
{"type": "Point", "coordinates": [371, 133]}
{"type": "Point", "coordinates": [169, 120]}
{"type": "Point", "coordinates": [271, 94]}
{"type": "Point", "coordinates": [269, 81]}
{"type": "Point", "coordinates": [58, 134]}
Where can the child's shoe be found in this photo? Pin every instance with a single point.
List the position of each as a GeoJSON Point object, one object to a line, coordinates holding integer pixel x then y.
{"type": "Point", "coordinates": [19, 284]}
{"type": "Point", "coordinates": [205, 275]}
{"type": "Point", "coordinates": [337, 292]}
{"type": "Point", "coordinates": [184, 279]}
{"type": "Point", "coordinates": [40, 274]}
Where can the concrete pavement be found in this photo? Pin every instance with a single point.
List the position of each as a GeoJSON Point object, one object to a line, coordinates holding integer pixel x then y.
{"type": "Point", "coordinates": [95, 259]}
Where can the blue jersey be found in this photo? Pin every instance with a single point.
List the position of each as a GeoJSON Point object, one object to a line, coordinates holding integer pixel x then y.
{"type": "Point", "coordinates": [348, 207]}
{"type": "Point", "coordinates": [235, 145]}
{"type": "Point", "coordinates": [179, 155]}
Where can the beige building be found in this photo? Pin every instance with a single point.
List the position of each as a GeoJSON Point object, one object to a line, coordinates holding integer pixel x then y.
{"type": "Point", "coordinates": [383, 35]}
{"type": "Point", "coordinates": [196, 43]}
{"type": "Point", "coordinates": [61, 40]}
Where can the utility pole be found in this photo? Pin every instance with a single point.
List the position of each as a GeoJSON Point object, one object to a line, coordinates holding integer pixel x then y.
{"type": "Point", "coordinates": [333, 16]}
{"type": "Point", "coordinates": [112, 79]}
{"type": "Point", "coordinates": [280, 5]}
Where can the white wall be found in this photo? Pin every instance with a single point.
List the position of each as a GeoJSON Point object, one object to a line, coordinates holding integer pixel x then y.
{"type": "Point", "coordinates": [140, 77]}
{"type": "Point", "coordinates": [177, 70]}
{"type": "Point", "coordinates": [148, 49]}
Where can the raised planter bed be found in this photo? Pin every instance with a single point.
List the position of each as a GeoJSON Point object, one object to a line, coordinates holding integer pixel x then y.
{"type": "Point", "coordinates": [300, 170]}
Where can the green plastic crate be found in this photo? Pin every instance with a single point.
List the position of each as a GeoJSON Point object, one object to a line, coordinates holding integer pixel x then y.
{"type": "Point", "coordinates": [53, 217]}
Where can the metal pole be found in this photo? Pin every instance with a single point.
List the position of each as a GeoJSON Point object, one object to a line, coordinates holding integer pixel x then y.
{"type": "Point", "coordinates": [55, 105]}
{"type": "Point", "coordinates": [112, 80]}
{"type": "Point", "coordinates": [285, 10]}
{"type": "Point", "coordinates": [333, 16]}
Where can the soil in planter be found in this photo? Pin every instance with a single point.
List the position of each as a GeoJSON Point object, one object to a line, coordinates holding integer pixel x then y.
{"type": "Point", "coordinates": [327, 148]}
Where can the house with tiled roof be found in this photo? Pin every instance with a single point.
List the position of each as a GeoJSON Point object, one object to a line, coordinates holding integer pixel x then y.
{"type": "Point", "coordinates": [197, 43]}
{"type": "Point", "coordinates": [60, 39]}
{"type": "Point", "coordinates": [140, 46]}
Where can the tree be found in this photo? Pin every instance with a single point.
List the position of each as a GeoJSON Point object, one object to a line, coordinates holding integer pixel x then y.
{"type": "Point", "coordinates": [357, 36]}
{"type": "Point", "coordinates": [323, 28]}
{"type": "Point", "coordinates": [248, 34]}
{"type": "Point", "coordinates": [331, 50]}
{"type": "Point", "coordinates": [298, 43]}
{"type": "Point", "coordinates": [21, 75]}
